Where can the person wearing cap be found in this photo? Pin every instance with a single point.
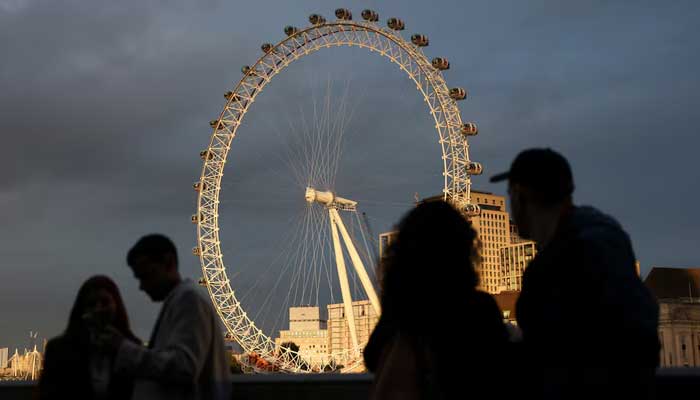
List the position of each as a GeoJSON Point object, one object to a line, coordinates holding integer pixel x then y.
{"type": "Point", "coordinates": [589, 324]}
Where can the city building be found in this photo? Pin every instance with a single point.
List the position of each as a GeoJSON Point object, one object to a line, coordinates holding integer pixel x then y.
{"type": "Point", "coordinates": [25, 366]}
{"type": "Point", "coordinates": [678, 293]}
{"type": "Point", "coordinates": [494, 229]}
{"type": "Point", "coordinates": [339, 339]}
{"type": "Point", "coordinates": [4, 356]}
{"type": "Point", "coordinates": [308, 331]}
{"type": "Point", "coordinates": [514, 234]}
{"type": "Point", "coordinates": [514, 258]}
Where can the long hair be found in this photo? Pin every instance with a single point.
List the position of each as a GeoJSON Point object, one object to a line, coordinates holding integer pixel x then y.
{"type": "Point", "coordinates": [77, 328]}
{"type": "Point", "coordinates": [429, 269]}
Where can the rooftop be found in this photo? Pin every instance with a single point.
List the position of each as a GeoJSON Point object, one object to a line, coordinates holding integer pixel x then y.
{"type": "Point", "coordinates": [674, 283]}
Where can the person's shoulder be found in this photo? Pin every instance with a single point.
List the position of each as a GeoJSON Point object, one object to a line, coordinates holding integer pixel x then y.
{"type": "Point", "coordinates": [481, 297]}
{"type": "Point", "coordinates": [488, 315]}
{"type": "Point", "coordinates": [595, 228]}
{"type": "Point", "coordinates": [57, 343]}
{"type": "Point", "coordinates": [188, 293]}
{"type": "Point", "coordinates": [63, 347]}
{"type": "Point", "coordinates": [187, 290]}
{"type": "Point", "coordinates": [486, 303]}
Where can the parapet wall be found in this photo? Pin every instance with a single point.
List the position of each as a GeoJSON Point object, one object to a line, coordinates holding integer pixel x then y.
{"type": "Point", "coordinates": [672, 384]}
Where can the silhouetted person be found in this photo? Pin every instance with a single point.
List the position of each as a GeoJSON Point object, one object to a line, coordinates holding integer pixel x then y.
{"type": "Point", "coordinates": [75, 367]}
{"type": "Point", "coordinates": [589, 324]}
{"type": "Point", "coordinates": [437, 336]}
{"type": "Point", "coordinates": [185, 357]}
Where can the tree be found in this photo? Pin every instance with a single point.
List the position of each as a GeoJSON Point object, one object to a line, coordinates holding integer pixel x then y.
{"type": "Point", "coordinates": [290, 351]}
{"type": "Point", "coordinates": [287, 346]}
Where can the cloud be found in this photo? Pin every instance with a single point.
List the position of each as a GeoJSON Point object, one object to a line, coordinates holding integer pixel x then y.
{"type": "Point", "coordinates": [105, 106]}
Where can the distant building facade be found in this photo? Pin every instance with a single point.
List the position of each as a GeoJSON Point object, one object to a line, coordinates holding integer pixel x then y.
{"type": "Point", "coordinates": [494, 230]}
{"type": "Point", "coordinates": [25, 366]}
{"type": "Point", "coordinates": [339, 339]}
{"type": "Point", "coordinates": [678, 293]}
{"type": "Point", "coordinates": [679, 332]}
{"type": "Point", "coordinates": [514, 260]}
{"type": "Point", "coordinates": [4, 356]}
{"type": "Point", "coordinates": [308, 331]}
{"type": "Point", "coordinates": [321, 341]}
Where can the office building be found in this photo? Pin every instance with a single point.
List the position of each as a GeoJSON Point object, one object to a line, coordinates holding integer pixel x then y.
{"type": "Point", "coordinates": [514, 258]}
{"type": "Point", "coordinates": [308, 331]}
{"type": "Point", "coordinates": [678, 293]}
{"type": "Point", "coordinates": [339, 339]}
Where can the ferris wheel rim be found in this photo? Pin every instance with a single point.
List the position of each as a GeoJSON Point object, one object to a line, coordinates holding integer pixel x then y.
{"type": "Point", "coordinates": [240, 326]}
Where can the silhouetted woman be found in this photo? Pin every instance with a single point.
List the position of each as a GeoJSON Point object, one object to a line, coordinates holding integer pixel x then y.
{"type": "Point", "coordinates": [437, 336]}
{"type": "Point", "coordinates": [74, 365]}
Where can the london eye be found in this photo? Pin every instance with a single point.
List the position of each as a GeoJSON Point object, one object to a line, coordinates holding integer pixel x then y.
{"type": "Point", "coordinates": [330, 211]}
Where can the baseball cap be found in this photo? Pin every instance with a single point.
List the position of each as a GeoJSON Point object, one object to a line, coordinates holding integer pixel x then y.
{"type": "Point", "coordinates": [543, 170]}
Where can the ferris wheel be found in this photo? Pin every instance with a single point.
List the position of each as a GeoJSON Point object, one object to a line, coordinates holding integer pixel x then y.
{"type": "Point", "coordinates": [457, 168]}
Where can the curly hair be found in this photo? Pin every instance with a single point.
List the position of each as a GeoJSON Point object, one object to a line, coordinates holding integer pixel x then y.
{"type": "Point", "coordinates": [429, 266]}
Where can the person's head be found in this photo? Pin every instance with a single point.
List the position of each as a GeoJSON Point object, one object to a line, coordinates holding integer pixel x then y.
{"type": "Point", "coordinates": [98, 303]}
{"type": "Point", "coordinates": [153, 260]}
{"type": "Point", "coordinates": [429, 264]}
{"type": "Point", "coordinates": [539, 184]}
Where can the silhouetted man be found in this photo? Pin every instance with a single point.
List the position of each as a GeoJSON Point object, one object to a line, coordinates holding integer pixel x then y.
{"type": "Point", "coordinates": [589, 324]}
{"type": "Point", "coordinates": [185, 357]}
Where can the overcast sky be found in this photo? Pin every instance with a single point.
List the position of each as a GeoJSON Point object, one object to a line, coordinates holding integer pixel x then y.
{"type": "Point", "coordinates": [104, 107]}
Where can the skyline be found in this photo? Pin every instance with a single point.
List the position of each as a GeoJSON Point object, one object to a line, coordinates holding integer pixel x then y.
{"type": "Point", "coordinates": [106, 115]}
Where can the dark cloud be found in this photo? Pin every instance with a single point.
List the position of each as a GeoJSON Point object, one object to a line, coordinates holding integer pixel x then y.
{"type": "Point", "coordinates": [104, 107]}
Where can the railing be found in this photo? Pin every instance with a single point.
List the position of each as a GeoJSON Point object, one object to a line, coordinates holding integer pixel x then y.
{"type": "Point", "coordinates": [672, 384]}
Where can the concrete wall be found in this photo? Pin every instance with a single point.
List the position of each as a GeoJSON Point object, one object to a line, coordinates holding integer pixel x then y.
{"type": "Point", "coordinates": [672, 384]}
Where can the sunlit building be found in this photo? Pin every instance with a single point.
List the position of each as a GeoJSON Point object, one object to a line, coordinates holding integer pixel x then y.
{"type": "Point", "coordinates": [514, 260]}
{"type": "Point", "coordinates": [494, 230]}
{"type": "Point", "coordinates": [308, 331]}
{"type": "Point", "coordinates": [339, 338]}
{"type": "Point", "coordinates": [4, 356]}
{"type": "Point", "coordinates": [678, 293]}
{"type": "Point", "coordinates": [25, 366]}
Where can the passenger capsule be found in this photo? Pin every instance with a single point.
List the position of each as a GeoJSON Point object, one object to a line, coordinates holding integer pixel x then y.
{"type": "Point", "coordinates": [344, 14]}
{"type": "Point", "coordinates": [202, 281]}
{"type": "Point", "coordinates": [199, 186]}
{"type": "Point", "coordinates": [419, 40]}
{"type": "Point", "coordinates": [458, 93]}
{"type": "Point", "coordinates": [206, 155]}
{"type": "Point", "coordinates": [290, 30]}
{"type": "Point", "coordinates": [440, 63]}
{"type": "Point", "coordinates": [370, 15]}
{"type": "Point", "coordinates": [196, 251]}
{"type": "Point", "coordinates": [231, 96]}
{"type": "Point", "coordinates": [197, 218]}
{"type": "Point", "coordinates": [472, 210]}
{"type": "Point", "coordinates": [316, 19]}
{"type": "Point", "coordinates": [266, 47]}
{"type": "Point", "coordinates": [215, 123]}
{"type": "Point", "coordinates": [469, 129]}
{"type": "Point", "coordinates": [245, 69]}
{"type": "Point", "coordinates": [474, 168]}
{"type": "Point", "coordinates": [395, 24]}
